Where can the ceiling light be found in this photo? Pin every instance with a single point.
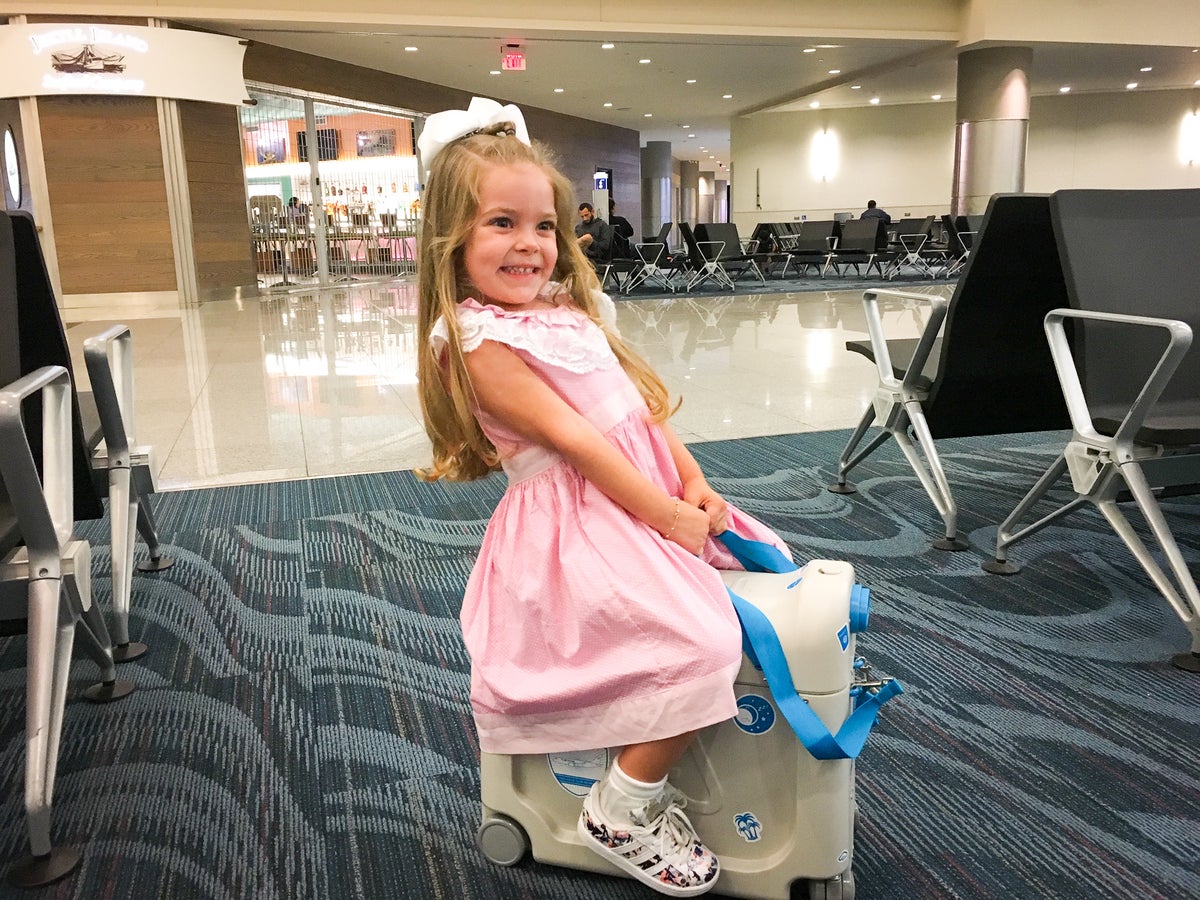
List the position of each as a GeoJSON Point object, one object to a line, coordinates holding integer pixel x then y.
{"type": "Point", "coordinates": [410, 49]}
{"type": "Point", "coordinates": [644, 61]}
{"type": "Point", "coordinates": [835, 71]}
{"type": "Point", "coordinates": [685, 126]}
{"type": "Point", "coordinates": [874, 101]}
{"type": "Point", "coordinates": [830, 46]}
{"type": "Point", "coordinates": [1146, 69]}
{"type": "Point", "coordinates": [691, 81]}
{"type": "Point", "coordinates": [856, 87]}
{"type": "Point", "coordinates": [1131, 86]}
{"type": "Point", "coordinates": [935, 96]}
{"type": "Point", "coordinates": [647, 115]}
{"type": "Point", "coordinates": [558, 90]}
{"type": "Point", "coordinates": [691, 135]}
{"type": "Point", "coordinates": [1197, 82]}
{"type": "Point", "coordinates": [606, 105]}
{"type": "Point", "coordinates": [607, 46]}
{"type": "Point", "coordinates": [1065, 89]}
{"type": "Point", "coordinates": [494, 72]}
{"type": "Point", "coordinates": [814, 104]}
{"type": "Point", "coordinates": [810, 49]}
{"type": "Point", "coordinates": [727, 96]}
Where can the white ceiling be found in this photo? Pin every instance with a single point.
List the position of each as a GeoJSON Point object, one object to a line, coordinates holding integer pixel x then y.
{"type": "Point", "coordinates": [761, 73]}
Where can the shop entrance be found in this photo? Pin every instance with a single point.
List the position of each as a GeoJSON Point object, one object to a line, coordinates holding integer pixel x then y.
{"type": "Point", "coordinates": [332, 190]}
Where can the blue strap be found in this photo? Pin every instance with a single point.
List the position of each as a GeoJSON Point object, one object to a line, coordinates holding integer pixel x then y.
{"type": "Point", "coordinates": [761, 644]}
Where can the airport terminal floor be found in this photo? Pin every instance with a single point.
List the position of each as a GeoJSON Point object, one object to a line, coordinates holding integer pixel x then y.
{"type": "Point", "coordinates": [319, 383]}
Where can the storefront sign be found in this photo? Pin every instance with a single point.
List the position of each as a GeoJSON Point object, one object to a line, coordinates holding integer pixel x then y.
{"type": "Point", "coordinates": [55, 58]}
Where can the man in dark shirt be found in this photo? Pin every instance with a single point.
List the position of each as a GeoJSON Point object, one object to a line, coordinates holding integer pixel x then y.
{"type": "Point", "coordinates": [594, 234]}
{"type": "Point", "coordinates": [874, 212]}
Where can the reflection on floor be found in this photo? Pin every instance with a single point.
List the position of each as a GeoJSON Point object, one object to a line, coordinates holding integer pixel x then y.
{"type": "Point", "coordinates": [324, 382]}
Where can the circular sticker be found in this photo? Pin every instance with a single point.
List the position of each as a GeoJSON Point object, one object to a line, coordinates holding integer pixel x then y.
{"type": "Point", "coordinates": [755, 714]}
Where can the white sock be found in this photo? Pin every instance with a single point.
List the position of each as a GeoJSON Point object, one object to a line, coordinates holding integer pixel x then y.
{"type": "Point", "coordinates": [620, 794]}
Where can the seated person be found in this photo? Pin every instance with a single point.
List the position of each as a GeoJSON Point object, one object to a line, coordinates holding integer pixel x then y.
{"type": "Point", "coordinates": [874, 212]}
{"type": "Point", "coordinates": [594, 234]}
{"type": "Point", "coordinates": [622, 233]}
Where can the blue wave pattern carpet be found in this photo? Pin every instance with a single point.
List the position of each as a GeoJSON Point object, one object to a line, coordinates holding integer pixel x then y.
{"type": "Point", "coordinates": [301, 726]}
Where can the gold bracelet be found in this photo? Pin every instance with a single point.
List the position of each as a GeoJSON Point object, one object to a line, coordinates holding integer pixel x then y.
{"type": "Point", "coordinates": [674, 521]}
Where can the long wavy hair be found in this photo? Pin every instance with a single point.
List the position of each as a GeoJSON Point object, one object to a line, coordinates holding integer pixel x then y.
{"type": "Point", "coordinates": [461, 451]}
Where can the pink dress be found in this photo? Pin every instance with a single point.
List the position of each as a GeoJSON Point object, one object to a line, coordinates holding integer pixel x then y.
{"type": "Point", "coordinates": [585, 627]}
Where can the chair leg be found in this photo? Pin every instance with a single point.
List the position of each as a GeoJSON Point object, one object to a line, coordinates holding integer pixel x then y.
{"type": "Point", "coordinates": [49, 652]}
{"type": "Point", "coordinates": [1182, 594]}
{"type": "Point", "coordinates": [1006, 537]}
{"type": "Point", "coordinates": [931, 475]}
{"type": "Point", "coordinates": [846, 462]}
{"type": "Point", "coordinates": [148, 528]}
{"type": "Point", "coordinates": [123, 510]}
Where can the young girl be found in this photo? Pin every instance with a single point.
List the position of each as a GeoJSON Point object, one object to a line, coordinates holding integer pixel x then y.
{"type": "Point", "coordinates": [593, 616]}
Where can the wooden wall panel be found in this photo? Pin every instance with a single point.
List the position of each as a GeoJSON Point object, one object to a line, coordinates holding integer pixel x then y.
{"type": "Point", "coordinates": [108, 197]}
{"type": "Point", "coordinates": [220, 234]}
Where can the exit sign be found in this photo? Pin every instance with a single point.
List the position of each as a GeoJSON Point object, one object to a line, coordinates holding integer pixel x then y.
{"type": "Point", "coordinates": [513, 61]}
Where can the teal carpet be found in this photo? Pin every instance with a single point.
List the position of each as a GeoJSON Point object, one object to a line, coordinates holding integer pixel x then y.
{"type": "Point", "coordinates": [301, 726]}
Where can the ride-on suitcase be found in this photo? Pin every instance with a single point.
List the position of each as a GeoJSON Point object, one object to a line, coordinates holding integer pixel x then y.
{"type": "Point", "coordinates": [758, 798]}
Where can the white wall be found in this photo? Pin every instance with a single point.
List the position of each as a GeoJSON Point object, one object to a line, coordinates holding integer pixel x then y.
{"type": "Point", "coordinates": [903, 156]}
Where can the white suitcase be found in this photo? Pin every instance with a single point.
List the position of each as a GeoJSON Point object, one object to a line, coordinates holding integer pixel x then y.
{"type": "Point", "coordinates": [771, 812]}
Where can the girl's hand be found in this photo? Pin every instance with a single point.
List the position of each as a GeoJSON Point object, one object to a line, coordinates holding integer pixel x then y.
{"type": "Point", "coordinates": [699, 494]}
{"type": "Point", "coordinates": [690, 530]}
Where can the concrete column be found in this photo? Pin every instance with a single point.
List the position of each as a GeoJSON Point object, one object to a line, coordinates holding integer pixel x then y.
{"type": "Point", "coordinates": [720, 200]}
{"type": "Point", "coordinates": [656, 186]}
{"type": "Point", "coordinates": [689, 191]}
{"type": "Point", "coordinates": [708, 206]}
{"type": "Point", "coordinates": [992, 126]}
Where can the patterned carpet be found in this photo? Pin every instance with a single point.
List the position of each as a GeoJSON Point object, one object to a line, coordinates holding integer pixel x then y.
{"type": "Point", "coordinates": [301, 726]}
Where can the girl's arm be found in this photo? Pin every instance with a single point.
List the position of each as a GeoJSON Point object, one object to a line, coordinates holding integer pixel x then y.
{"type": "Point", "coordinates": [507, 389]}
{"type": "Point", "coordinates": [696, 490]}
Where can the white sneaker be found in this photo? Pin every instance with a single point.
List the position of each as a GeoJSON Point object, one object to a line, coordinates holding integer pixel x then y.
{"type": "Point", "coordinates": [660, 849]}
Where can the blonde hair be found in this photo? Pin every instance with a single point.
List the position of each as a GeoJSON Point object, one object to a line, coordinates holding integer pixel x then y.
{"type": "Point", "coordinates": [461, 451]}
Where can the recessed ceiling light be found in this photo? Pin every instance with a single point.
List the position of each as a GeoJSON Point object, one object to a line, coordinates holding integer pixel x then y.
{"type": "Point", "coordinates": [644, 61]}
{"type": "Point", "coordinates": [1146, 69]}
{"type": "Point", "coordinates": [1065, 89]}
{"type": "Point", "coordinates": [494, 72]}
{"type": "Point", "coordinates": [410, 49]}
{"type": "Point", "coordinates": [685, 126]}
{"type": "Point", "coordinates": [935, 96]}
{"type": "Point", "coordinates": [727, 96]}
{"type": "Point", "coordinates": [1131, 86]}
{"type": "Point", "coordinates": [691, 81]}
{"type": "Point", "coordinates": [814, 104]}
{"type": "Point", "coordinates": [810, 49]}
{"type": "Point", "coordinates": [606, 105]}
{"type": "Point", "coordinates": [874, 101]}
{"type": "Point", "coordinates": [647, 115]}
{"type": "Point", "coordinates": [558, 90]}
{"type": "Point", "coordinates": [691, 135]}
{"type": "Point", "coordinates": [856, 87]}
{"type": "Point", "coordinates": [607, 46]}
{"type": "Point", "coordinates": [835, 71]}
{"type": "Point", "coordinates": [829, 46]}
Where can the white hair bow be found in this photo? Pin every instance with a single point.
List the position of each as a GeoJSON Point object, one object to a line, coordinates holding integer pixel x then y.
{"type": "Point", "coordinates": [448, 126]}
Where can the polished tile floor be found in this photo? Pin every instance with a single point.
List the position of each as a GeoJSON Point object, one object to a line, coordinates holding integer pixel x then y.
{"type": "Point", "coordinates": [321, 383]}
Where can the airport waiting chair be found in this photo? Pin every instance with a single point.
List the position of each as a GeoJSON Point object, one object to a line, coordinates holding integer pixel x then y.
{"type": "Point", "coordinates": [704, 262]}
{"type": "Point", "coordinates": [814, 246]}
{"type": "Point", "coordinates": [1130, 376]}
{"type": "Point", "coordinates": [980, 366]}
{"type": "Point", "coordinates": [108, 461]}
{"type": "Point", "coordinates": [736, 257]}
{"type": "Point", "coordinates": [863, 243]}
{"type": "Point", "coordinates": [651, 269]}
{"type": "Point", "coordinates": [45, 592]}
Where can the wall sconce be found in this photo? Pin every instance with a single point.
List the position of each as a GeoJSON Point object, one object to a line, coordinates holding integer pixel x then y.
{"type": "Point", "coordinates": [823, 156]}
{"type": "Point", "coordinates": [1189, 139]}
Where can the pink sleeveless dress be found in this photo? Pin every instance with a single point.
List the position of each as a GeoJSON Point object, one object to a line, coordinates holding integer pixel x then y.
{"type": "Point", "coordinates": [585, 627]}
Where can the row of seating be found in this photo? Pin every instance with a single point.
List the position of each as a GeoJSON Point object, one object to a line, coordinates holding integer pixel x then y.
{"type": "Point", "coordinates": [1074, 311]}
{"type": "Point", "coordinates": [61, 451]}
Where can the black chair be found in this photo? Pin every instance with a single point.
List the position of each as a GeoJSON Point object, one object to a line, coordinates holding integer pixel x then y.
{"type": "Point", "coordinates": [703, 261]}
{"type": "Point", "coordinates": [1130, 375]}
{"type": "Point", "coordinates": [863, 243]}
{"type": "Point", "coordinates": [736, 258]}
{"type": "Point", "coordinates": [122, 470]}
{"type": "Point", "coordinates": [813, 247]}
{"type": "Point", "coordinates": [989, 371]}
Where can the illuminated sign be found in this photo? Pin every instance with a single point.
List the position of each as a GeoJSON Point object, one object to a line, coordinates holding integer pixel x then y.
{"type": "Point", "coordinates": [513, 61]}
{"type": "Point", "coordinates": [54, 59]}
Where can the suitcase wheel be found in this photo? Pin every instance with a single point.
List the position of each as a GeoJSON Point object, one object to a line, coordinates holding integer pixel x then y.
{"type": "Point", "coordinates": [502, 840]}
{"type": "Point", "coordinates": [840, 887]}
